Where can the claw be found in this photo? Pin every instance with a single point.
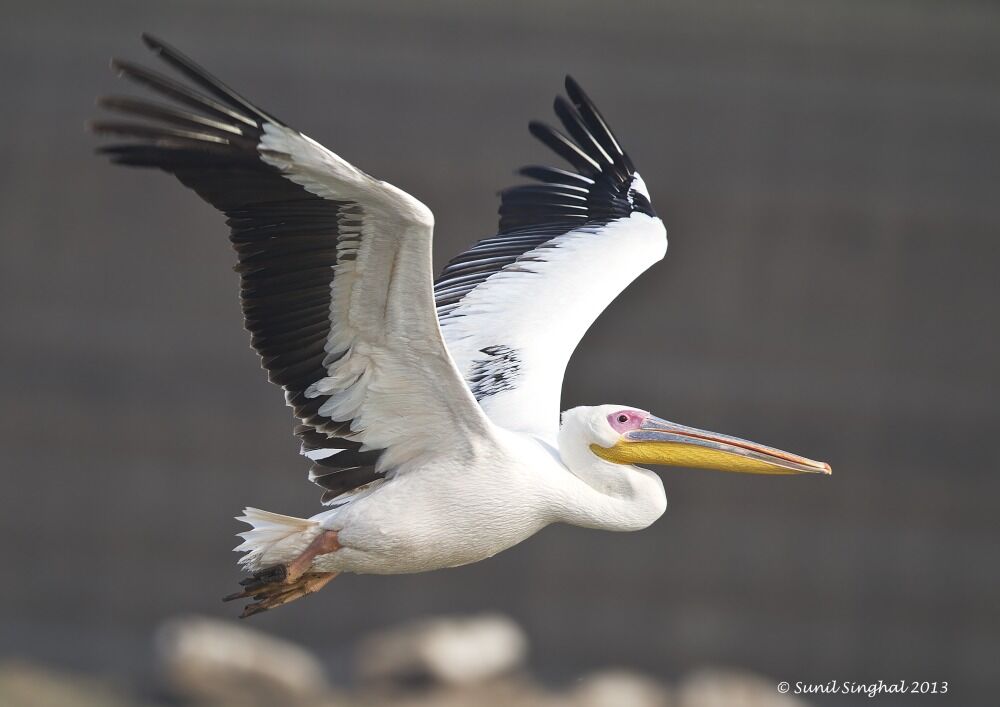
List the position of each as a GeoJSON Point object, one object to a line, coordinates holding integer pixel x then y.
{"type": "Point", "coordinates": [263, 582]}
{"type": "Point", "coordinates": [252, 609]}
{"type": "Point", "coordinates": [279, 594]}
{"type": "Point", "coordinates": [278, 573]}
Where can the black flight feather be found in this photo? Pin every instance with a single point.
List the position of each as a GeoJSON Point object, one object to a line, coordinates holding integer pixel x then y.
{"type": "Point", "coordinates": [532, 215]}
{"type": "Point", "coordinates": [285, 237]}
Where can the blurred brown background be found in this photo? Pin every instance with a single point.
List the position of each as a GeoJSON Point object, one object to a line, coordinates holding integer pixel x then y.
{"type": "Point", "coordinates": [828, 173]}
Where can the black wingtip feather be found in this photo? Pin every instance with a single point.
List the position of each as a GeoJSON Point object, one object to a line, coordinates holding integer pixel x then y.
{"type": "Point", "coordinates": [150, 41]}
{"type": "Point", "coordinates": [554, 175]}
{"type": "Point", "coordinates": [595, 191]}
{"type": "Point", "coordinates": [170, 115]}
{"type": "Point", "coordinates": [189, 68]}
{"type": "Point", "coordinates": [564, 147]}
{"type": "Point", "coordinates": [576, 127]}
{"type": "Point", "coordinates": [179, 92]}
{"type": "Point", "coordinates": [596, 123]}
{"type": "Point", "coordinates": [572, 86]}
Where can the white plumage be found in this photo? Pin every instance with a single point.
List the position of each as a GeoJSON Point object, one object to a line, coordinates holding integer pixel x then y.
{"type": "Point", "coordinates": [543, 313]}
{"type": "Point", "coordinates": [429, 409]}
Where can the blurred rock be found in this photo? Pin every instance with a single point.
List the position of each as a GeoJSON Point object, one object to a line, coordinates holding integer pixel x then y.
{"type": "Point", "coordinates": [444, 651]}
{"type": "Point", "coordinates": [619, 688]}
{"type": "Point", "coordinates": [24, 684]}
{"type": "Point", "coordinates": [507, 692]}
{"type": "Point", "coordinates": [220, 662]}
{"type": "Point", "coordinates": [732, 688]}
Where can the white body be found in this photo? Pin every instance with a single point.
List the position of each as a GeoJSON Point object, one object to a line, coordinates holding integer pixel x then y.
{"type": "Point", "coordinates": [452, 512]}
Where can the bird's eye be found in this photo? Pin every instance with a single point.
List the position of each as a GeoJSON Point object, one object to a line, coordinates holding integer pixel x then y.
{"type": "Point", "coordinates": [623, 418]}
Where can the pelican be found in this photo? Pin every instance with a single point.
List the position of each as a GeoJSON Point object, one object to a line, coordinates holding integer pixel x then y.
{"type": "Point", "coordinates": [429, 409]}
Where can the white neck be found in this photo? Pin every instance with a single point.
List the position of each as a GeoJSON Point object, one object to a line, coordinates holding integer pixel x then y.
{"type": "Point", "coordinates": [601, 494]}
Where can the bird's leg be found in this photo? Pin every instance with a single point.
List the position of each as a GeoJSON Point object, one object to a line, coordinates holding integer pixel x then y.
{"type": "Point", "coordinates": [325, 543]}
{"type": "Point", "coordinates": [280, 584]}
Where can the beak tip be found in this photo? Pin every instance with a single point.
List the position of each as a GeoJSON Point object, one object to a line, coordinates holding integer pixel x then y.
{"type": "Point", "coordinates": [827, 469]}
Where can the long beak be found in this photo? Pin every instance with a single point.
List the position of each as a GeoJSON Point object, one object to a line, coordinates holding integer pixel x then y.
{"type": "Point", "coordinates": [669, 444]}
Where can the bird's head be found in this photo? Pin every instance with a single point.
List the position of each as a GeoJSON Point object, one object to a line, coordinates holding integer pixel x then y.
{"type": "Point", "coordinates": [628, 436]}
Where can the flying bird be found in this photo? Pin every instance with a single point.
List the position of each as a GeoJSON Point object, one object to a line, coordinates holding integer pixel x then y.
{"type": "Point", "coordinates": [429, 409]}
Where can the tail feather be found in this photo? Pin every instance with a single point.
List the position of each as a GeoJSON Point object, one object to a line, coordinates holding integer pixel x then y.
{"type": "Point", "coordinates": [273, 539]}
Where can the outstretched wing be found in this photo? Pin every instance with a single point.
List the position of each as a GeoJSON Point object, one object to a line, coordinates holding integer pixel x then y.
{"type": "Point", "coordinates": [335, 271]}
{"type": "Point", "coordinates": [514, 306]}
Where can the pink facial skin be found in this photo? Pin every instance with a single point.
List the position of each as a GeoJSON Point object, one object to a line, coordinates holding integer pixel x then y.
{"type": "Point", "coordinates": [626, 420]}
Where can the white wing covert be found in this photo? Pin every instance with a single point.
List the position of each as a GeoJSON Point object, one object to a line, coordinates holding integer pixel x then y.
{"type": "Point", "coordinates": [335, 270]}
{"type": "Point", "coordinates": [514, 306]}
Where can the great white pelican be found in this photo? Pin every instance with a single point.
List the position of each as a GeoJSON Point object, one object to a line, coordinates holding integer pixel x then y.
{"type": "Point", "coordinates": [429, 409]}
